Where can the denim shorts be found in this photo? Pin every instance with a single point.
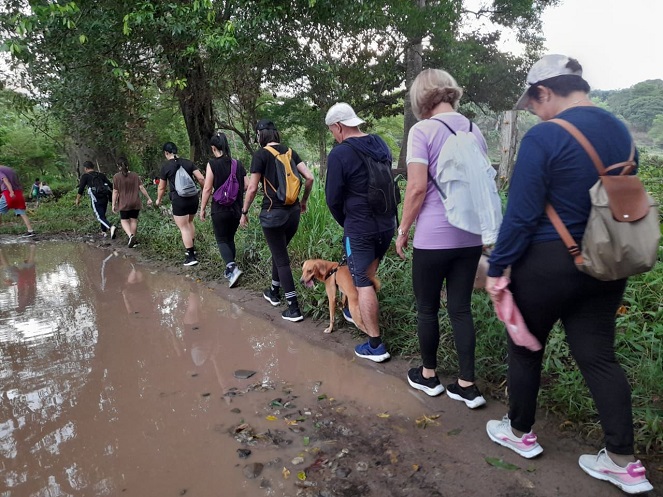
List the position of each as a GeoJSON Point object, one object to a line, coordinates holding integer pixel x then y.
{"type": "Point", "coordinates": [362, 250]}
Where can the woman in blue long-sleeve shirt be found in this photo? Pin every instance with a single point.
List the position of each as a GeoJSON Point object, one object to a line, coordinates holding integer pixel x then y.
{"type": "Point", "coordinates": [552, 167]}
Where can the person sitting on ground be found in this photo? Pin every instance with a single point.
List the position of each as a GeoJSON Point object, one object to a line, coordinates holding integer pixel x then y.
{"type": "Point", "coordinates": [45, 190]}
{"type": "Point", "coordinates": [225, 218]}
{"type": "Point", "coordinates": [279, 221]}
{"type": "Point", "coordinates": [442, 252]}
{"type": "Point", "coordinates": [99, 189]}
{"type": "Point", "coordinates": [552, 167]}
{"type": "Point", "coordinates": [126, 200]}
{"type": "Point", "coordinates": [11, 197]}
{"type": "Point", "coordinates": [366, 235]}
{"type": "Point", "coordinates": [184, 208]}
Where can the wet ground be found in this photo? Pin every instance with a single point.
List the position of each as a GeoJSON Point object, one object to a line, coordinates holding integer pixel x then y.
{"type": "Point", "coordinates": [120, 378]}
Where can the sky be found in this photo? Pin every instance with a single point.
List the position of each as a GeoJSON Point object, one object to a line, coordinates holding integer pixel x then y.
{"type": "Point", "coordinates": [618, 42]}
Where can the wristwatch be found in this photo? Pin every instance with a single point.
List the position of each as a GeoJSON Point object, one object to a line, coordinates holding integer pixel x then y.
{"type": "Point", "coordinates": [401, 232]}
{"type": "Point", "coordinates": [244, 213]}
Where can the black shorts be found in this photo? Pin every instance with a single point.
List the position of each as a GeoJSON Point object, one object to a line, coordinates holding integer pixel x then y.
{"type": "Point", "coordinates": [361, 251]}
{"type": "Point", "coordinates": [185, 206]}
{"type": "Point", "coordinates": [131, 214]}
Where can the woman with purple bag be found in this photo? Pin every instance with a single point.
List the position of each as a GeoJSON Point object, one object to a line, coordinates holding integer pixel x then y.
{"type": "Point", "coordinates": [224, 182]}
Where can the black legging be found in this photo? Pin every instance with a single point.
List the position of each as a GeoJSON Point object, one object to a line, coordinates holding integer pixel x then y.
{"type": "Point", "coordinates": [547, 287]}
{"type": "Point", "coordinates": [225, 225]}
{"type": "Point", "coordinates": [277, 241]}
{"type": "Point", "coordinates": [430, 268]}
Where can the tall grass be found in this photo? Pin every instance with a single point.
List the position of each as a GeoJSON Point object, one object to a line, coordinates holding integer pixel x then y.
{"type": "Point", "coordinates": [639, 324]}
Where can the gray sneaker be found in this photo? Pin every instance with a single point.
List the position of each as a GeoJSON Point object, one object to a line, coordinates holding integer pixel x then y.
{"type": "Point", "coordinates": [234, 276]}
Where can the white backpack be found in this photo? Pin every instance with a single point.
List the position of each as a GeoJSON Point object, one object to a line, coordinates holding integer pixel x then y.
{"type": "Point", "coordinates": [184, 185]}
{"type": "Point", "coordinates": [465, 180]}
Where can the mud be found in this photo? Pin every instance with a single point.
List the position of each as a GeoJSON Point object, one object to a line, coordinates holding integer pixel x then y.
{"type": "Point", "coordinates": [117, 377]}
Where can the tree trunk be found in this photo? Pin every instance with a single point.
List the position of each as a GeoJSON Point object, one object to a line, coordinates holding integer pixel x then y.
{"type": "Point", "coordinates": [509, 132]}
{"type": "Point", "coordinates": [413, 66]}
{"type": "Point", "coordinates": [322, 147]}
{"type": "Point", "coordinates": [196, 105]}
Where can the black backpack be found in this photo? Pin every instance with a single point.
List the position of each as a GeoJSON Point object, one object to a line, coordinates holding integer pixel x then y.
{"type": "Point", "coordinates": [98, 185]}
{"type": "Point", "coordinates": [383, 191]}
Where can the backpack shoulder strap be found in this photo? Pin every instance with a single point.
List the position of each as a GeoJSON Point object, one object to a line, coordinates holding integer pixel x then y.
{"type": "Point", "coordinates": [271, 150]}
{"type": "Point", "coordinates": [584, 143]}
{"type": "Point", "coordinates": [447, 126]}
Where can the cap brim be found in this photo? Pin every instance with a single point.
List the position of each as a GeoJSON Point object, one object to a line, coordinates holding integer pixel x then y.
{"type": "Point", "coordinates": [522, 102]}
{"type": "Point", "coordinates": [355, 121]}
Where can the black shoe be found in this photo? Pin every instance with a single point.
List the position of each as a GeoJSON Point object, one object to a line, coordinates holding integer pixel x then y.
{"type": "Point", "coordinates": [430, 386]}
{"type": "Point", "coordinates": [272, 297]}
{"type": "Point", "coordinates": [292, 314]}
{"type": "Point", "coordinates": [112, 232]}
{"type": "Point", "coordinates": [190, 260]}
{"type": "Point", "coordinates": [132, 241]}
{"type": "Point", "coordinates": [470, 395]}
{"type": "Point", "coordinates": [29, 234]}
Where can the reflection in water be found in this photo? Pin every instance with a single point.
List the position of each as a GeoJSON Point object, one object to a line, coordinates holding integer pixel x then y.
{"type": "Point", "coordinates": [112, 377]}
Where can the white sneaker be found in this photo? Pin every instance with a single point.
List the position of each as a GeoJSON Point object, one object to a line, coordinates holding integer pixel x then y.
{"type": "Point", "coordinates": [234, 276]}
{"type": "Point", "coordinates": [112, 230]}
{"type": "Point", "coordinates": [500, 432]}
{"type": "Point", "coordinates": [630, 479]}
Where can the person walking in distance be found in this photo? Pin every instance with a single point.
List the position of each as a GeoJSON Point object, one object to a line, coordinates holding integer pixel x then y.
{"type": "Point", "coordinates": [366, 235]}
{"type": "Point", "coordinates": [126, 199]}
{"type": "Point", "coordinates": [184, 207]}
{"type": "Point", "coordinates": [227, 213]}
{"type": "Point", "coordinates": [279, 216]}
{"type": "Point", "coordinates": [99, 190]}
{"type": "Point", "coordinates": [11, 197]}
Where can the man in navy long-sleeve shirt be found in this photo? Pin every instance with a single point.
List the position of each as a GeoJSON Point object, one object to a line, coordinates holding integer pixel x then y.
{"type": "Point", "coordinates": [366, 236]}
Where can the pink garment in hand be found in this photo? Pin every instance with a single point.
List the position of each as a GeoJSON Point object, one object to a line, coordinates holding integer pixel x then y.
{"type": "Point", "coordinates": [510, 315]}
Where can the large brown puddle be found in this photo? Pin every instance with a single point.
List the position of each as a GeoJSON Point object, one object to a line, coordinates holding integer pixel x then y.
{"type": "Point", "coordinates": [116, 379]}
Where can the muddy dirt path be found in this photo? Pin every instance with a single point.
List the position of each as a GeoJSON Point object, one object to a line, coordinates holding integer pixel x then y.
{"type": "Point", "coordinates": [120, 378]}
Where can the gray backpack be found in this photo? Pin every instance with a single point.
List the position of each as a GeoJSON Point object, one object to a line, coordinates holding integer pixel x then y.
{"type": "Point", "coordinates": [184, 184]}
{"type": "Point", "coordinates": [622, 233]}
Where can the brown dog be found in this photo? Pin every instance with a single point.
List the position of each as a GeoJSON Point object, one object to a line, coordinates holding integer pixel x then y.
{"type": "Point", "coordinates": [333, 276]}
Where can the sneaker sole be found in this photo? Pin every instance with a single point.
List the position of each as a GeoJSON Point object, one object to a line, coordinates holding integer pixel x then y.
{"type": "Point", "coordinates": [349, 320]}
{"type": "Point", "coordinates": [294, 320]}
{"type": "Point", "coordinates": [629, 489]}
{"type": "Point", "coordinates": [472, 404]}
{"type": "Point", "coordinates": [192, 263]}
{"type": "Point", "coordinates": [112, 232]}
{"type": "Point", "coordinates": [374, 358]}
{"type": "Point", "coordinates": [231, 282]}
{"type": "Point", "coordinates": [428, 391]}
{"type": "Point", "coordinates": [527, 455]}
{"type": "Point", "coordinates": [270, 300]}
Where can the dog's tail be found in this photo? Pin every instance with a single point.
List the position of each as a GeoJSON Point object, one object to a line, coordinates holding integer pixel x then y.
{"type": "Point", "coordinates": [377, 284]}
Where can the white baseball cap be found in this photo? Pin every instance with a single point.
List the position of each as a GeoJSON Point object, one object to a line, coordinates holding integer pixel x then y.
{"type": "Point", "coordinates": [344, 114]}
{"type": "Point", "coordinates": [548, 66]}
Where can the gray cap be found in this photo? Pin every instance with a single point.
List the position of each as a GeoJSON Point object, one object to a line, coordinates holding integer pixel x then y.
{"type": "Point", "coordinates": [344, 114]}
{"type": "Point", "coordinates": [548, 66]}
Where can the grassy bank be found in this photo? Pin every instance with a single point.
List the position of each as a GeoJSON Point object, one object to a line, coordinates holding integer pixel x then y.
{"type": "Point", "coordinates": [640, 322]}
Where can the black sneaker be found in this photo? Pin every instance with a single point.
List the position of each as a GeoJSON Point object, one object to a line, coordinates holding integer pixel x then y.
{"type": "Point", "coordinates": [273, 298]}
{"type": "Point", "coordinates": [29, 234]}
{"type": "Point", "coordinates": [132, 241]}
{"type": "Point", "coordinates": [430, 386]}
{"type": "Point", "coordinates": [292, 314]}
{"type": "Point", "coordinates": [190, 260]}
{"type": "Point", "coordinates": [112, 232]}
{"type": "Point", "coordinates": [470, 395]}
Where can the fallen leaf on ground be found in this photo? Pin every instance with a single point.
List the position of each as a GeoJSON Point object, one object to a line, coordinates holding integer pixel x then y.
{"type": "Point", "coordinates": [285, 473]}
{"type": "Point", "coordinates": [500, 463]}
{"type": "Point", "coordinates": [271, 418]}
{"type": "Point", "coordinates": [425, 420]}
{"type": "Point", "coordinates": [383, 415]}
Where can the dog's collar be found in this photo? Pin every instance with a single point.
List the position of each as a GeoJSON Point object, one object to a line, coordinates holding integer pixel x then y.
{"type": "Point", "coordinates": [331, 271]}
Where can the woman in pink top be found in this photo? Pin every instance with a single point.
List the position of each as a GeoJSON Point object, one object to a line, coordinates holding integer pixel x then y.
{"type": "Point", "coordinates": [441, 251]}
{"type": "Point", "coordinates": [126, 200]}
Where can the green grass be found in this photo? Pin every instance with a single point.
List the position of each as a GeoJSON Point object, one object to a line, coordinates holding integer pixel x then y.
{"type": "Point", "coordinates": [640, 327]}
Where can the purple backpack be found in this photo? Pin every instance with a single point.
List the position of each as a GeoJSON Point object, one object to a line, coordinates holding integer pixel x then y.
{"type": "Point", "coordinates": [227, 193]}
